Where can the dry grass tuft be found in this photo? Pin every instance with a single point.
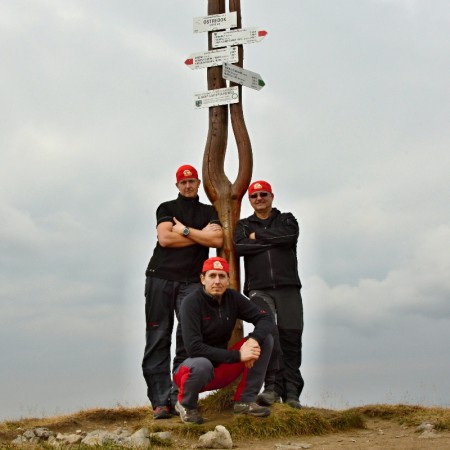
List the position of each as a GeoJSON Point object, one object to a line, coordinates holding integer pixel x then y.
{"type": "Point", "coordinates": [411, 415]}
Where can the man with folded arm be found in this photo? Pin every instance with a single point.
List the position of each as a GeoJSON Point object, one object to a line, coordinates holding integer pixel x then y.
{"type": "Point", "coordinates": [268, 242]}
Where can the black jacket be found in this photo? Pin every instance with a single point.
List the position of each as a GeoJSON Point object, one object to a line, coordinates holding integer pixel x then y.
{"type": "Point", "coordinates": [207, 326]}
{"type": "Point", "coordinates": [270, 260]}
{"type": "Point", "coordinates": [181, 264]}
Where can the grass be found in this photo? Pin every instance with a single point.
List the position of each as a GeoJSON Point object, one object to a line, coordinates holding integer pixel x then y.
{"type": "Point", "coordinates": [217, 409]}
{"type": "Point", "coordinates": [411, 415]}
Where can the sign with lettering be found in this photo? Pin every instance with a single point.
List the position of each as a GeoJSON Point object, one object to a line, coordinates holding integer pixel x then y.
{"type": "Point", "coordinates": [237, 37]}
{"type": "Point", "coordinates": [212, 58]}
{"type": "Point", "coordinates": [216, 97]}
{"type": "Point", "coordinates": [241, 76]}
{"type": "Point", "coordinates": [215, 22]}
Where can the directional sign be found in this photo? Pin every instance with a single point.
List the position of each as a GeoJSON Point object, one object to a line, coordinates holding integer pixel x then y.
{"type": "Point", "coordinates": [215, 22]}
{"type": "Point", "coordinates": [241, 76]}
{"type": "Point", "coordinates": [217, 97]}
{"type": "Point", "coordinates": [217, 57]}
{"type": "Point", "coordinates": [237, 37]}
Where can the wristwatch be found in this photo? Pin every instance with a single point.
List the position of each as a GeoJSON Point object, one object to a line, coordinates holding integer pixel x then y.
{"type": "Point", "coordinates": [186, 231]}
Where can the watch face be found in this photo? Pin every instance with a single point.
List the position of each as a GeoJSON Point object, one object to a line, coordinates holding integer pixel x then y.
{"type": "Point", "coordinates": [186, 231]}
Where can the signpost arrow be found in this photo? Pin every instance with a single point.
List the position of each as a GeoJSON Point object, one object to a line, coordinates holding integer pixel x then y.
{"type": "Point", "coordinates": [216, 97]}
{"type": "Point", "coordinates": [241, 76]}
{"type": "Point", "coordinates": [215, 22]}
{"type": "Point", "coordinates": [211, 58]}
{"type": "Point", "coordinates": [238, 37]}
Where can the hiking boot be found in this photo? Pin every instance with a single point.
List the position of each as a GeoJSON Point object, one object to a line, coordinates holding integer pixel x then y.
{"type": "Point", "coordinates": [293, 403]}
{"type": "Point", "coordinates": [188, 415]}
{"type": "Point", "coordinates": [250, 408]}
{"type": "Point", "coordinates": [161, 412]}
{"type": "Point", "coordinates": [267, 398]}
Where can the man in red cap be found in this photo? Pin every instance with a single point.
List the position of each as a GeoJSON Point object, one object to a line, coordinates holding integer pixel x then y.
{"type": "Point", "coordinates": [186, 230]}
{"type": "Point", "coordinates": [268, 242]}
{"type": "Point", "coordinates": [207, 318]}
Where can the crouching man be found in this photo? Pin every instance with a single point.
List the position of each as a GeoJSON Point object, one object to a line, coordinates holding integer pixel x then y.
{"type": "Point", "coordinates": [207, 319]}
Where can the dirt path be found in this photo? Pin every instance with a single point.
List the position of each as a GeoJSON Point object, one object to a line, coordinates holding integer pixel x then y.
{"type": "Point", "coordinates": [379, 434]}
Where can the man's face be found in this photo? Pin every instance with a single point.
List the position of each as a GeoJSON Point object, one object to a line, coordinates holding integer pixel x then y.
{"type": "Point", "coordinates": [188, 187]}
{"type": "Point", "coordinates": [216, 282]}
{"type": "Point", "coordinates": [261, 201]}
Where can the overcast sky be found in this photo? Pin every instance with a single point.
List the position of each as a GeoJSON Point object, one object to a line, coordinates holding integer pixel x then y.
{"type": "Point", "coordinates": [352, 131]}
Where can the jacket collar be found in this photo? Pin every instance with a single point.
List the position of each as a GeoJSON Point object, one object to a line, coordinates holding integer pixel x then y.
{"type": "Point", "coordinates": [182, 198]}
{"type": "Point", "coordinates": [273, 214]}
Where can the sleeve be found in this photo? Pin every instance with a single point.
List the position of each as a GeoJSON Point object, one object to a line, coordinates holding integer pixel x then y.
{"type": "Point", "coordinates": [260, 318]}
{"type": "Point", "coordinates": [285, 234]}
{"type": "Point", "coordinates": [245, 246]}
{"type": "Point", "coordinates": [214, 217]}
{"type": "Point", "coordinates": [190, 317]}
{"type": "Point", "coordinates": [164, 214]}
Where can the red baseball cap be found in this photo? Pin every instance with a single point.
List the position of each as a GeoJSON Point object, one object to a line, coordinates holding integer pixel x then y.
{"type": "Point", "coordinates": [216, 263]}
{"type": "Point", "coordinates": [185, 172]}
{"type": "Point", "coordinates": [258, 186]}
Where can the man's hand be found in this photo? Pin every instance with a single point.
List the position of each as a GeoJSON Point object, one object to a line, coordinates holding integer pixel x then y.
{"type": "Point", "coordinates": [212, 227]}
{"type": "Point", "coordinates": [178, 227]}
{"type": "Point", "coordinates": [252, 235]}
{"type": "Point", "coordinates": [250, 352]}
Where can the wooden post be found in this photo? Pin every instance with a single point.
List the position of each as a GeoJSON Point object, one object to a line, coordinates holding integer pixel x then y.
{"type": "Point", "coordinates": [224, 195]}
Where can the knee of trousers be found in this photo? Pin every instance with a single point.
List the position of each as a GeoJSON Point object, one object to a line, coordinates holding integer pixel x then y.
{"type": "Point", "coordinates": [267, 344]}
{"type": "Point", "coordinates": [200, 370]}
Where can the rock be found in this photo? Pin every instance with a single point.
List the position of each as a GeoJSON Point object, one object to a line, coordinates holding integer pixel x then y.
{"type": "Point", "coordinates": [140, 438]}
{"type": "Point", "coordinates": [429, 434]}
{"type": "Point", "coordinates": [123, 432]}
{"type": "Point", "coordinates": [219, 438]}
{"type": "Point", "coordinates": [43, 433]}
{"type": "Point", "coordinates": [59, 437]}
{"type": "Point", "coordinates": [120, 436]}
{"type": "Point", "coordinates": [164, 435]}
{"type": "Point", "coordinates": [98, 437]}
{"type": "Point", "coordinates": [19, 440]}
{"type": "Point", "coordinates": [29, 434]}
{"type": "Point", "coordinates": [425, 426]}
{"type": "Point", "coordinates": [71, 439]}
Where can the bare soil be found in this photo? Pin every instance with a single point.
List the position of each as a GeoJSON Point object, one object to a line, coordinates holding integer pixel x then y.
{"type": "Point", "coordinates": [378, 434]}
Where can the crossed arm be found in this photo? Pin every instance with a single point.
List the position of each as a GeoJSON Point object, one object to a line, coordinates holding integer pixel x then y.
{"type": "Point", "coordinates": [170, 235]}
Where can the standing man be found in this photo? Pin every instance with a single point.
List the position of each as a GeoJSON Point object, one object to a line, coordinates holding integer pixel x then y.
{"type": "Point", "coordinates": [268, 242]}
{"type": "Point", "coordinates": [207, 318]}
{"type": "Point", "coordinates": [186, 230]}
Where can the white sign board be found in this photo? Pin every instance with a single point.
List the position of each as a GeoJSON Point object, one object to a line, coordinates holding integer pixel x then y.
{"type": "Point", "coordinates": [215, 22]}
{"type": "Point", "coordinates": [212, 58]}
{"type": "Point", "coordinates": [241, 76]}
{"type": "Point", "coordinates": [217, 97]}
{"type": "Point", "coordinates": [237, 37]}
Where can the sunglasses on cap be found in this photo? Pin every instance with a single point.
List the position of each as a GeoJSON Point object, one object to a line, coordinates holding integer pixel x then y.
{"type": "Point", "coordinates": [261, 194]}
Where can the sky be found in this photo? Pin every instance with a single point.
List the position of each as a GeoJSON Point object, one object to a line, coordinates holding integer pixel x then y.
{"type": "Point", "coordinates": [351, 129]}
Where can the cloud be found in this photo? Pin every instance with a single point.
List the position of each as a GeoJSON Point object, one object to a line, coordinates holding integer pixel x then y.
{"type": "Point", "coordinates": [420, 288]}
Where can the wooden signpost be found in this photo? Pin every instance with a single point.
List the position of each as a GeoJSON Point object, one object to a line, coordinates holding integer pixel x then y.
{"type": "Point", "coordinates": [222, 101]}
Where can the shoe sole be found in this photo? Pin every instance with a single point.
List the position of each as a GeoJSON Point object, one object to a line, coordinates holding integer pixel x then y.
{"type": "Point", "coordinates": [263, 402]}
{"type": "Point", "coordinates": [198, 422]}
{"type": "Point", "coordinates": [253, 414]}
{"type": "Point", "coordinates": [162, 416]}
